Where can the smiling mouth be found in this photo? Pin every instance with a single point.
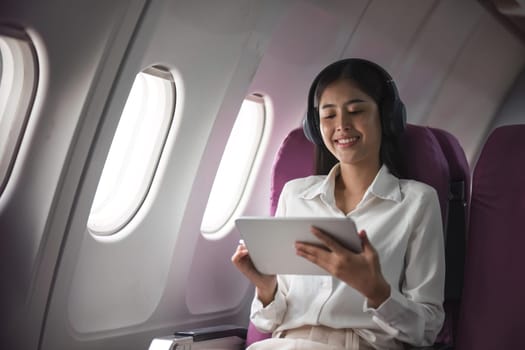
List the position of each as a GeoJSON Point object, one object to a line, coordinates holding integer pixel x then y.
{"type": "Point", "coordinates": [347, 141]}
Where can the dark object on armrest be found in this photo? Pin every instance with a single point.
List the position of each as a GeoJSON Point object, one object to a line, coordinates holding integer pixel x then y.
{"type": "Point", "coordinates": [436, 346]}
{"type": "Point", "coordinates": [215, 332]}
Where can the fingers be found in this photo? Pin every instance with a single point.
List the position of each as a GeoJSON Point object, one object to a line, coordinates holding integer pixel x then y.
{"type": "Point", "coordinates": [239, 254]}
{"type": "Point", "coordinates": [241, 259]}
{"type": "Point", "coordinates": [315, 255]}
{"type": "Point", "coordinates": [328, 241]}
{"type": "Point", "coordinates": [363, 236]}
{"type": "Point", "coordinates": [323, 256]}
{"type": "Point", "coordinates": [355, 269]}
{"type": "Point", "coordinates": [332, 256]}
{"type": "Point", "coordinates": [266, 285]}
{"type": "Point", "coordinates": [311, 252]}
{"type": "Point", "coordinates": [365, 242]}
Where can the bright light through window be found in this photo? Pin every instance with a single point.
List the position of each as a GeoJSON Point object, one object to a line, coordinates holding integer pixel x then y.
{"type": "Point", "coordinates": [17, 89]}
{"type": "Point", "coordinates": [236, 165]}
{"type": "Point", "coordinates": [135, 151]}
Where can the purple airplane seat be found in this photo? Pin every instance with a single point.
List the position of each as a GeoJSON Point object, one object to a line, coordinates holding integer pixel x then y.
{"type": "Point", "coordinates": [493, 300]}
{"type": "Point", "coordinates": [294, 159]}
{"type": "Point", "coordinates": [422, 160]}
{"type": "Point", "coordinates": [455, 230]}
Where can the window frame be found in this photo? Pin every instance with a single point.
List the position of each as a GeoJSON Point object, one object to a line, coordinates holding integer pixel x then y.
{"type": "Point", "coordinates": [25, 103]}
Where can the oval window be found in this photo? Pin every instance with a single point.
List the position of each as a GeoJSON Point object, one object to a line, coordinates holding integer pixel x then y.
{"type": "Point", "coordinates": [135, 151]}
{"type": "Point", "coordinates": [236, 165]}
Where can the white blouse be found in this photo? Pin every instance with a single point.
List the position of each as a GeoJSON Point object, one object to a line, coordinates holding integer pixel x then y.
{"type": "Point", "coordinates": [402, 219]}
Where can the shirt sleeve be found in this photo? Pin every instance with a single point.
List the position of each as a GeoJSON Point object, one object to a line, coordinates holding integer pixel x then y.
{"type": "Point", "coordinates": [267, 319]}
{"type": "Point", "coordinates": [414, 314]}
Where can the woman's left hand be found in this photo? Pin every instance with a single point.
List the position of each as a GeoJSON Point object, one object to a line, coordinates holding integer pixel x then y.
{"type": "Point", "coordinates": [362, 271]}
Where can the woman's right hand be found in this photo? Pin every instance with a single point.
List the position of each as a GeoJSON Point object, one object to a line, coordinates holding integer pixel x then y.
{"type": "Point", "coordinates": [266, 285]}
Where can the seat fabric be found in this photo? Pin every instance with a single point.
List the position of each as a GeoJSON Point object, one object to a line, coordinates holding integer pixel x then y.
{"type": "Point", "coordinates": [456, 230]}
{"type": "Point", "coordinates": [295, 159]}
{"type": "Point", "coordinates": [493, 302]}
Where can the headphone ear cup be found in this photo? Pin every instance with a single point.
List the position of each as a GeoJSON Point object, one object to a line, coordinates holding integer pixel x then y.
{"type": "Point", "coordinates": [395, 112]}
{"type": "Point", "coordinates": [311, 120]}
{"type": "Point", "coordinates": [399, 118]}
{"type": "Point", "coordinates": [310, 129]}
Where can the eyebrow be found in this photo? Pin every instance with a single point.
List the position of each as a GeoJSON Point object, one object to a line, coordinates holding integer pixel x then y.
{"type": "Point", "coordinates": [349, 102]}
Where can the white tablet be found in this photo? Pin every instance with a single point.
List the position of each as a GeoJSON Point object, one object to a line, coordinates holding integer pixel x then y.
{"type": "Point", "coordinates": [271, 241]}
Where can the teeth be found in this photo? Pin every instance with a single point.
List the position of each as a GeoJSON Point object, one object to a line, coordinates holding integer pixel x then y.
{"type": "Point", "coordinates": [345, 141]}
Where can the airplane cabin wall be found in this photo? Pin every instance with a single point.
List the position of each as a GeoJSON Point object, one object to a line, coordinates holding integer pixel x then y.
{"type": "Point", "coordinates": [512, 109]}
{"type": "Point", "coordinates": [76, 70]}
{"type": "Point", "coordinates": [453, 64]}
{"type": "Point", "coordinates": [120, 291]}
{"type": "Point", "coordinates": [452, 61]}
{"type": "Point", "coordinates": [477, 84]}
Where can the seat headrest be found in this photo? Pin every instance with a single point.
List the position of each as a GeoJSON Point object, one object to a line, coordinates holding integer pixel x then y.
{"type": "Point", "coordinates": [455, 155]}
{"type": "Point", "coordinates": [294, 159]}
{"type": "Point", "coordinates": [498, 186]}
{"type": "Point", "coordinates": [424, 161]}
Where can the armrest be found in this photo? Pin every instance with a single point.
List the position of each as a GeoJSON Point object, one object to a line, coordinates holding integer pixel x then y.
{"type": "Point", "coordinates": [170, 343]}
{"type": "Point", "coordinates": [433, 347]}
{"type": "Point", "coordinates": [215, 332]}
{"type": "Point", "coordinates": [224, 336]}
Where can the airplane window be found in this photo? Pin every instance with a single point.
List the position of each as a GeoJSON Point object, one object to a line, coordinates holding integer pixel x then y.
{"type": "Point", "coordinates": [236, 164]}
{"type": "Point", "coordinates": [18, 79]}
{"type": "Point", "coordinates": [135, 151]}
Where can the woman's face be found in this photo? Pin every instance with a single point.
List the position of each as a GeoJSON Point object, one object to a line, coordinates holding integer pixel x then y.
{"type": "Point", "coordinates": [350, 124]}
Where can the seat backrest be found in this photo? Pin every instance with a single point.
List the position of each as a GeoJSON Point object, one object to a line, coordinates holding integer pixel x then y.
{"type": "Point", "coordinates": [423, 160]}
{"type": "Point", "coordinates": [295, 159]}
{"type": "Point", "coordinates": [491, 315]}
{"type": "Point", "coordinates": [424, 150]}
{"type": "Point", "coordinates": [456, 229]}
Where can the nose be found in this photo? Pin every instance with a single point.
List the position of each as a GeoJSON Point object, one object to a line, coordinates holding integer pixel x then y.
{"type": "Point", "coordinates": [344, 122]}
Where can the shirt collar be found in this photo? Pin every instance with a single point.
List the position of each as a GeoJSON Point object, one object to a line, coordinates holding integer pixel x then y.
{"type": "Point", "coordinates": [384, 186]}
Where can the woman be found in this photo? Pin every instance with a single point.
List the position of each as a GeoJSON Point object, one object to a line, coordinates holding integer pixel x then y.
{"type": "Point", "coordinates": [391, 293]}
